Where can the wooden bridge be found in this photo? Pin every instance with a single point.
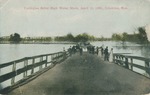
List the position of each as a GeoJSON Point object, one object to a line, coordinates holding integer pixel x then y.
{"type": "Point", "coordinates": [87, 74]}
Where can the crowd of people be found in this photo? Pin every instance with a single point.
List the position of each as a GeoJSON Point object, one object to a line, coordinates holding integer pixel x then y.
{"type": "Point", "coordinates": [92, 50]}
{"type": "Point", "coordinates": [95, 50]}
{"type": "Point", "coordinates": [74, 49]}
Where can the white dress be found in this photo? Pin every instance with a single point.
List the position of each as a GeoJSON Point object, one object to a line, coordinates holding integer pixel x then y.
{"type": "Point", "coordinates": [111, 56]}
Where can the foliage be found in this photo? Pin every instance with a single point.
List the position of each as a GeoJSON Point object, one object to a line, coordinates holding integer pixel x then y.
{"type": "Point", "coordinates": [140, 37]}
{"type": "Point", "coordinates": [42, 39]}
{"type": "Point", "coordinates": [81, 37]}
{"type": "Point", "coordinates": [70, 37]}
{"type": "Point", "coordinates": [116, 37]}
{"type": "Point", "coordinates": [60, 38]}
{"type": "Point", "coordinates": [15, 38]}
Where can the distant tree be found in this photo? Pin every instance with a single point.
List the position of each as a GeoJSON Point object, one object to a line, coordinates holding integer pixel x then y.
{"type": "Point", "coordinates": [116, 37]}
{"type": "Point", "coordinates": [82, 37]}
{"type": "Point", "coordinates": [70, 37]}
{"type": "Point", "coordinates": [15, 38]}
{"type": "Point", "coordinates": [142, 35]}
{"type": "Point", "coordinates": [125, 36]}
{"type": "Point", "coordinates": [79, 38]}
{"type": "Point", "coordinates": [92, 38]}
{"type": "Point", "coordinates": [47, 39]}
{"type": "Point", "coordinates": [1, 39]}
{"type": "Point", "coordinates": [60, 38]}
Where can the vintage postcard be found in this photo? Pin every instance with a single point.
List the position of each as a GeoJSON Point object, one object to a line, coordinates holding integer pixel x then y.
{"type": "Point", "coordinates": [74, 47]}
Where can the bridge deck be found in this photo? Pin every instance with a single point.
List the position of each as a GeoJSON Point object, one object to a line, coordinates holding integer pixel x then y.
{"type": "Point", "coordinates": [86, 75]}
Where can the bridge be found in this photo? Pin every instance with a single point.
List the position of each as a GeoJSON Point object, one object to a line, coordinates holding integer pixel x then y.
{"type": "Point", "coordinates": [86, 74]}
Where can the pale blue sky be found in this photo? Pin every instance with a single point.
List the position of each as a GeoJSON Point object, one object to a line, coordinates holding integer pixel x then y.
{"type": "Point", "coordinates": [16, 17]}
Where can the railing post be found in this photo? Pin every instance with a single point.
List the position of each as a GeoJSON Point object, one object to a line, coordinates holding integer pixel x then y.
{"type": "Point", "coordinates": [13, 69]}
{"type": "Point", "coordinates": [123, 58]}
{"type": "Point", "coordinates": [46, 60]}
{"type": "Point", "coordinates": [57, 57]}
{"type": "Point", "coordinates": [51, 58]}
{"type": "Point", "coordinates": [33, 61]}
{"type": "Point", "coordinates": [147, 65]}
{"type": "Point", "coordinates": [54, 57]}
{"type": "Point", "coordinates": [25, 66]}
{"type": "Point", "coordinates": [120, 59]}
{"type": "Point", "coordinates": [117, 60]}
{"type": "Point", "coordinates": [131, 64]}
{"type": "Point", "coordinates": [126, 63]}
{"type": "Point", "coordinates": [41, 59]}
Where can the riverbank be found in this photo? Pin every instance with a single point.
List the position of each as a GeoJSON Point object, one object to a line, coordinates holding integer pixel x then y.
{"type": "Point", "coordinates": [38, 42]}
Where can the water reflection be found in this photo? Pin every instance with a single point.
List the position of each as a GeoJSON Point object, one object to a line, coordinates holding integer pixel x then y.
{"type": "Point", "coordinates": [142, 51]}
{"type": "Point", "coordinates": [145, 51]}
{"type": "Point", "coordinates": [126, 47]}
{"type": "Point", "coordinates": [9, 52]}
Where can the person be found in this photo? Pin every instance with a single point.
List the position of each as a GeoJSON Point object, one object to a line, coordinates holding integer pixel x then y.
{"type": "Point", "coordinates": [81, 51]}
{"type": "Point", "coordinates": [111, 55]}
{"type": "Point", "coordinates": [106, 54]}
{"type": "Point", "coordinates": [70, 51]}
{"type": "Point", "coordinates": [74, 49]}
{"type": "Point", "coordinates": [102, 51]}
{"type": "Point", "coordinates": [93, 49]}
{"type": "Point", "coordinates": [89, 48]}
{"type": "Point", "coordinates": [97, 50]}
{"type": "Point", "coordinates": [64, 49]}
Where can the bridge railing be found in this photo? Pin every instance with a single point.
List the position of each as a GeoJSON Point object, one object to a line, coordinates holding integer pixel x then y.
{"type": "Point", "coordinates": [131, 62]}
{"type": "Point", "coordinates": [17, 71]}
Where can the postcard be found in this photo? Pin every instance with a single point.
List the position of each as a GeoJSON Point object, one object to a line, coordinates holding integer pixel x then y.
{"type": "Point", "coordinates": [74, 47]}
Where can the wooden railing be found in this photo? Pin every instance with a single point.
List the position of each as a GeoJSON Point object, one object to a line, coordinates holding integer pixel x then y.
{"type": "Point", "coordinates": [128, 62]}
{"type": "Point", "coordinates": [28, 68]}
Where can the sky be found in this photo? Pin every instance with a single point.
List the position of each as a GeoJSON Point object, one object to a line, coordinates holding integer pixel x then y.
{"type": "Point", "coordinates": [60, 17]}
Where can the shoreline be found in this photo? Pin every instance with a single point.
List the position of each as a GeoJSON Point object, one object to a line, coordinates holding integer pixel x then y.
{"type": "Point", "coordinates": [39, 43]}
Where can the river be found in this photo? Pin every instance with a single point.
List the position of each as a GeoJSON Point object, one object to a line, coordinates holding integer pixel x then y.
{"type": "Point", "coordinates": [9, 52]}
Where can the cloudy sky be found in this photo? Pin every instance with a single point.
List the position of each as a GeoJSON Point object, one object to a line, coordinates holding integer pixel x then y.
{"type": "Point", "coordinates": [60, 17]}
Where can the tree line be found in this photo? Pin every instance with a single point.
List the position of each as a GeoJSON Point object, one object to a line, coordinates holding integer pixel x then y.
{"type": "Point", "coordinates": [16, 38]}
{"type": "Point", "coordinates": [81, 37]}
{"type": "Point", "coordinates": [140, 37]}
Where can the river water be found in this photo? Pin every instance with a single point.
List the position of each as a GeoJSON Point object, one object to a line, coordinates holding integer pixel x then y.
{"type": "Point", "coordinates": [10, 52]}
